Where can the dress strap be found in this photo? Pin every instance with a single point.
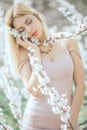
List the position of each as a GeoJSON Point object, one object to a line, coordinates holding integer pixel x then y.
{"type": "Point", "coordinates": [70, 50]}
{"type": "Point", "coordinates": [63, 43]}
{"type": "Point", "coordinates": [22, 62]}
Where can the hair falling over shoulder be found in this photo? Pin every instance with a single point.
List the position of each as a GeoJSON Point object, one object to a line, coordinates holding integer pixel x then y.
{"type": "Point", "coordinates": [18, 10]}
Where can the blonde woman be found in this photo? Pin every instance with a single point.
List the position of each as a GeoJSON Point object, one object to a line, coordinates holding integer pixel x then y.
{"type": "Point", "coordinates": [61, 61]}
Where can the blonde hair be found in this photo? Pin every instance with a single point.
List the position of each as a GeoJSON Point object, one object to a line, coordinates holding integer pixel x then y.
{"type": "Point", "coordinates": [18, 10]}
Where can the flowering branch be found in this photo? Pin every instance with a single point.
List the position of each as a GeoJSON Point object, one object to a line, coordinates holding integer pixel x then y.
{"type": "Point", "coordinates": [58, 102]}
{"type": "Point", "coordinates": [3, 125]}
{"type": "Point", "coordinates": [11, 92]}
{"type": "Point", "coordinates": [77, 19]}
{"type": "Point", "coordinates": [82, 29]}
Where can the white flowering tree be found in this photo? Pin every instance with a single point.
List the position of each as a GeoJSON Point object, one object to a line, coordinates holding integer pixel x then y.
{"type": "Point", "coordinates": [15, 96]}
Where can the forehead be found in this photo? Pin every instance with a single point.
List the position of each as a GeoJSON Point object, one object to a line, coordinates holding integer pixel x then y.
{"type": "Point", "coordinates": [18, 22]}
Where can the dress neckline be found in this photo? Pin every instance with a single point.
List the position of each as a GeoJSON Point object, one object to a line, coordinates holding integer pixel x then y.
{"type": "Point", "coordinates": [62, 54]}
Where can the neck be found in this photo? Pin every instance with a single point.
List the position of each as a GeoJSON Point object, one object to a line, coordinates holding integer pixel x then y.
{"type": "Point", "coordinates": [42, 38]}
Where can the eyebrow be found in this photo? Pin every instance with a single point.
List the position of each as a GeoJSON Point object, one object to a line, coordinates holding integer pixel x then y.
{"type": "Point", "coordinates": [24, 22]}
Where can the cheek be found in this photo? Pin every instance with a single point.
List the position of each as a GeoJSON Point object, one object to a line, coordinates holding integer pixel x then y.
{"type": "Point", "coordinates": [37, 24]}
{"type": "Point", "coordinates": [40, 26]}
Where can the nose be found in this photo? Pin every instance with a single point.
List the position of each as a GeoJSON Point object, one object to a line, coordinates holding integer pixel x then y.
{"type": "Point", "coordinates": [29, 31]}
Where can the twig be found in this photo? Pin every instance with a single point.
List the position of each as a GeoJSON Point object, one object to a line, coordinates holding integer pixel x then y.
{"type": "Point", "coordinates": [83, 123]}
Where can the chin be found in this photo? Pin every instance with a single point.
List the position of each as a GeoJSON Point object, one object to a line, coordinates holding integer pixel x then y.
{"type": "Point", "coordinates": [39, 36]}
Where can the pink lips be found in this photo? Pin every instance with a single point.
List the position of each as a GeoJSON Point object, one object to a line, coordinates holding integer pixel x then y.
{"type": "Point", "coordinates": [34, 33]}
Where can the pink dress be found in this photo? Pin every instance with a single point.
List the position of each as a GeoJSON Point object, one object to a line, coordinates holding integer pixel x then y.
{"type": "Point", "coordinates": [38, 113]}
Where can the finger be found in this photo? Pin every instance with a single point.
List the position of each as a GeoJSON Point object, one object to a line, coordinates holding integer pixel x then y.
{"type": "Point", "coordinates": [26, 40]}
{"type": "Point", "coordinates": [19, 41]}
{"type": "Point", "coordinates": [24, 43]}
{"type": "Point", "coordinates": [16, 39]}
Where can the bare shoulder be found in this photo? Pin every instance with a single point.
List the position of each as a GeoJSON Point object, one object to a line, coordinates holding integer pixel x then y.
{"type": "Point", "coordinates": [79, 76]}
{"type": "Point", "coordinates": [73, 47]}
{"type": "Point", "coordinates": [72, 43]}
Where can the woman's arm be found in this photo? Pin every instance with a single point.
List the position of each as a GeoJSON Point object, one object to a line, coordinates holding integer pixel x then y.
{"type": "Point", "coordinates": [29, 79]}
{"type": "Point", "coordinates": [79, 80]}
{"type": "Point", "coordinates": [25, 69]}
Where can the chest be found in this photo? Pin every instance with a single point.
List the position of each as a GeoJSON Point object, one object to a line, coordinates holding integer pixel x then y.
{"type": "Point", "coordinates": [62, 68]}
{"type": "Point", "coordinates": [56, 52]}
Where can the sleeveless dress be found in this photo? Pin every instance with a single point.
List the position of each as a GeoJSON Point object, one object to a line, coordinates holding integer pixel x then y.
{"type": "Point", "coordinates": [38, 113]}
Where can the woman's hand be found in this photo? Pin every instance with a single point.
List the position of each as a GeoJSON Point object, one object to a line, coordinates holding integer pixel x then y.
{"type": "Point", "coordinates": [35, 92]}
{"type": "Point", "coordinates": [25, 44]}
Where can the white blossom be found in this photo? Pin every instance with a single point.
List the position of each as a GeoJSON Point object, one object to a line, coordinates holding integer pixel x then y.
{"type": "Point", "coordinates": [65, 117]}
{"type": "Point", "coordinates": [58, 102]}
{"type": "Point", "coordinates": [64, 127]}
{"type": "Point", "coordinates": [85, 20]}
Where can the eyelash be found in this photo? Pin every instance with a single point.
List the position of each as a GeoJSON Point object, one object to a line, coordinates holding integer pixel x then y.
{"type": "Point", "coordinates": [29, 22]}
{"type": "Point", "coordinates": [21, 31]}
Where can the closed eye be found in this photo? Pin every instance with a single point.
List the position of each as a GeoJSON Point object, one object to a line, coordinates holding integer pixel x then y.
{"type": "Point", "coordinates": [29, 21]}
{"type": "Point", "coordinates": [21, 30]}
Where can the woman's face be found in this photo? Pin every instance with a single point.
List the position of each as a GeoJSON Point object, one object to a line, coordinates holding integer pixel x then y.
{"type": "Point", "coordinates": [30, 24]}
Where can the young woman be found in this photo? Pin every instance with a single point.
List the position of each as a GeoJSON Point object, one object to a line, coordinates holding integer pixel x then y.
{"type": "Point", "coordinates": [61, 61]}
